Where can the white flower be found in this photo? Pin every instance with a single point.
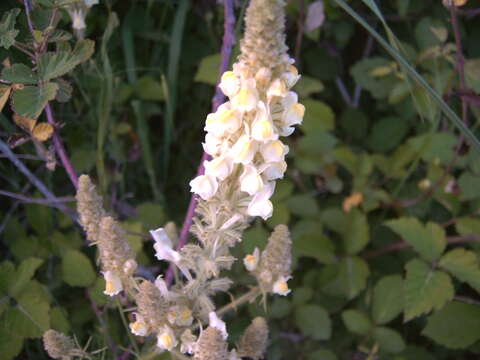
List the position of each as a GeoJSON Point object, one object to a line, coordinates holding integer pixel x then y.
{"type": "Point", "coordinates": [113, 283]}
{"type": "Point", "coordinates": [205, 186]}
{"type": "Point", "coordinates": [78, 19]}
{"type": "Point", "coordinates": [250, 180]}
{"type": "Point", "coordinates": [220, 167]}
{"type": "Point", "coordinates": [262, 127]}
{"type": "Point", "coordinates": [273, 171]}
{"type": "Point", "coordinates": [277, 88]}
{"type": "Point", "coordinates": [212, 144]}
{"type": "Point", "coordinates": [263, 75]}
{"type": "Point", "coordinates": [180, 315]}
{"type": "Point", "coordinates": [229, 84]}
{"type": "Point", "coordinates": [163, 246]}
{"type": "Point", "coordinates": [224, 120]}
{"type": "Point", "coordinates": [243, 150]}
{"type": "Point", "coordinates": [291, 76]}
{"type": "Point", "coordinates": [261, 204]}
{"type": "Point", "coordinates": [215, 322]}
{"type": "Point", "coordinates": [280, 286]}
{"type": "Point", "coordinates": [293, 113]}
{"type": "Point", "coordinates": [188, 342]}
{"type": "Point", "coordinates": [274, 151]}
{"type": "Point", "coordinates": [129, 267]}
{"type": "Point", "coordinates": [251, 260]}
{"type": "Point", "coordinates": [162, 286]}
{"type": "Point", "coordinates": [247, 98]}
{"type": "Point", "coordinates": [166, 339]}
{"type": "Point", "coordinates": [139, 327]}
{"type": "Point", "coordinates": [233, 355]}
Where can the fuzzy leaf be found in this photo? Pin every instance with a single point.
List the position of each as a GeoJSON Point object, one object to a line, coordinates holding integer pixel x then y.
{"type": "Point", "coordinates": [31, 100]}
{"type": "Point", "coordinates": [53, 65]}
{"type": "Point", "coordinates": [7, 28]}
{"type": "Point", "coordinates": [77, 269]}
{"type": "Point", "coordinates": [19, 74]}
{"type": "Point", "coordinates": [456, 326]}
{"type": "Point", "coordinates": [425, 289]}
{"type": "Point", "coordinates": [387, 299]}
{"type": "Point", "coordinates": [314, 322]}
{"type": "Point", "coordinates": [463, 265]}
{"type": "Point", "coordinates": [356, 322]}
{"type": "Point", "coordinates": [429, 240]}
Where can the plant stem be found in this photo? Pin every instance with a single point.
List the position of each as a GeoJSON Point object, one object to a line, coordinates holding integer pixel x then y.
{"type": "Point", "coordinates": [26, 199]}
{"type": "Point", "coordinates": [218, 99]}
{"type": "Point", "coordinates": [249, 296]}
{"type": "Point", "coordinates": [125, 324]}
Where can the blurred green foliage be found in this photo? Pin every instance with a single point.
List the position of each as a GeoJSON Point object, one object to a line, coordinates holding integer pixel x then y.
{"type": "Point", "coordinates": [381, 193]}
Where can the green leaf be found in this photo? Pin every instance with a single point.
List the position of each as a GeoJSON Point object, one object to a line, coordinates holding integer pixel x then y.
{"type": "Point", "coordinates": [315, 245]}
{"type": "Point", "coordinates": [349, 277]}
{"type": "Point", "coordinates": [208, 69]}
{"type": "Point", "coordinates": [356, 321]}
{"type": "Point", "coordinates": [319, 117]}
{"type": "Point", "coordinates": [147, 88]}
{"type": "Point", "coordinates": [456, 326]}
{"type": "Point", "coordinates": [468, 183]}
{"type": "Point", "coordinates": [280, 308]}
{"type": "Point", "coordinates": [150, 214]}
{"type": "Point", "coordinates": [322, 355]}
{"type": "Point", "coordinates": [8, 33]}
{"type": "Point", "coordinates": [39, 218]}
{"type": "Point", "coordinates": [19, 74]}
{"type": "Point", "coordinates": [356, 233]}
{"type": "Point", "coordinates": [429, 240]}
{"type": "Point", "coordinates": [302, 295]}
{"type": "Point", "coordinates": [77, 269]}
{"type": "Point", "coordinates": [389, 340]}
{"type": "Point", "coordinates": [425, 289]}
{"type": "Point", "coordinates": [463, 265]}
{"type": "Point", "coordinates": [303, 205]}
{"type": "Point", "coordinates": [434, 146]}
{"type": "Point", "coordinates": [387, 299]}
{"type": "Point", "coordinates": [308, 85]}
{"type": "Point", "coordinates": [10, 342]}
{"type": "Point", "coordinates": [387, 134]}
{"type": "Point", "coordinates": [467, 226]}
{"type": "Point", "coordinates": [313, 321]}
{"type": "Point", "coordinates": [65, 91]}
{"type": "Point", "coordinates": [59, 320]}
{"type": "Point", "coordinates": [379, 87]}
{"type": "Point", "coordinates": [7, 276]}
{"type": "Point", "coordinates": [36, 313]}
{"type": "Point", "coordinates": [31, 100]}
{"type": "Point", "coordinates": [25, 272]}
{"type": "Point", "coordinates": [53, 65]}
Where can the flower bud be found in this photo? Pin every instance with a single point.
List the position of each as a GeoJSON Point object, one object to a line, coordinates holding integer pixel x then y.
{"type": "Point", "coordinates": [89, 207]}
{"type": "Point", "coordinates": [211, 345]}
{"type": "Point", "coordinates": [253, 342]}
{"type": "Point", "coordinates": [205, 186]}
{"type": "Point", "coordinates": [58, 345]}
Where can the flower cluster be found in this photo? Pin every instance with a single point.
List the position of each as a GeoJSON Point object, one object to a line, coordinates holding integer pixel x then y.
{"type": "Point", "coordinates": [272, 266]}
{"type": "Point", "coordinates": [243, 135]}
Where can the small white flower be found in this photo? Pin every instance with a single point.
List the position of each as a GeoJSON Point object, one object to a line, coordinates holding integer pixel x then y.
{"type": "Point", "coordinates": [113, 283]}
{"type": "Point", "coordinates": [291, 76]}
{"type": "Point", "coordinates": [247, 98]}
{"type": "Point", "coordinates": [263, 75]}
{"type": "Point", "coordinates": [280, 286]}
{"type": "Point", "coordinates": [163, 246]}
{"type": "Point", "coordinates": [162, 286]}
{"type": "Point", "coordinates": [233, 355]}
{"type": "Point", "coordinates": [251, 261]}
{"type": "Point", "coordinates": [230, 222]}
{"type": "Point", "coordinates": [129, 267]}
{"type": "Point", "coordinates": [220, 167]}
{"type": "Point", "coordinates": [261, 204]}
{"type": "Point", "coordinates": [262, 127]}
{"type": "Point", "coordinates": [212, 144]}
{"type": "Point", "coordinates": [166, 339]}
{"type": "Point", "coordinates": [277, 88]}
{"type": "Point", "coordinates": [188, 342]}
{"type": "Point", "coordinates": [250, 180]}
{"type": "Point", "coordinates": [214, 321]}
{"type": "Point", "coordinates": [229, 84]}
{"type": "Point", "coordinates": [273, 171]}
{"type": "Point", "coordinates": [243, 150]}
{"type": "Point", "coordinates": [78, 19]}
{"type": "Point", "coordinates": [180, 315]}
{"type": "Point", "coordinates": [274, 151]}
{"type": "Point", "coordinates": [224, 120]}
{"type": "Point", "coordinates": [139, 327]}
{"type": "Point", "coordinates": [205, 186]}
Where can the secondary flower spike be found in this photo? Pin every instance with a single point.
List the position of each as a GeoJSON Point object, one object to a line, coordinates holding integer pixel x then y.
{"type": "Point", "coordinates": [243, 135]}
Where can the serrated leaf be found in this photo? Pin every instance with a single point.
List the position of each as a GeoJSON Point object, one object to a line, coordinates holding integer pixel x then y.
{"type": "Point", "coordinates": [356, 321]}
{"type": "Point", "coordinates": [31, 100]}
{"type": "Point", "coordinates": [10, 341]}
{"type": "Point", "coordinates": [462, 264]}
{"type": "Point", "coordinates": [456, 326]}
{"type": "Point", "coordinates": [429, 240]}
{"type": "Point", "coordinates": [42, 131]}
{"type": "Point", "coordinates": [349, 277]}
{"type": "Point", "coordinates": [389, 340]}
{"type": "Point", "coordinates": [356, 233]}
{"type": "Point", "coordinates": [59, 35]}
{"type": "Point", "coordinates": [53, 65]}
{"type": "Point", "coordinates": [425, 289]}
{"type": "Point", "coordinates": [387, 299]}
{"type": "Point", "coordinates": [19, 74]}
{"type": "Point", "coordinates": [25, 272]}
{"type": "Point", "coordinates": [313, 321]}
{"type": "Point", "coordinates": [467, 226]}
{"type": "Point", "coordinates": [77, 269]}
{"type": "Point", "coordinates": [379, 87]}
{"type": "Point", "coordinates": [8, 33]}
{"type": "Point", "coordinates": [315, 245]}
{"type": "Point", "coordinates": [208, 70]}
{"type": "Point", "coordinates": [387, 133]}
{"type": "Point", "coordinates": [37, 315]}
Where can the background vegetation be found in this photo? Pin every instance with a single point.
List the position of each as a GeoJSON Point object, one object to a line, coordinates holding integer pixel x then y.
{"type": "Point", "coordinates": [381, 194]}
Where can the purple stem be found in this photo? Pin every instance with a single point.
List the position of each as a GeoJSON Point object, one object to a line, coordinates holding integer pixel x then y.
{"type": "Point", "coordinates": [218, 99]}
{"type": "Point", "coordinates": [60, 149]}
